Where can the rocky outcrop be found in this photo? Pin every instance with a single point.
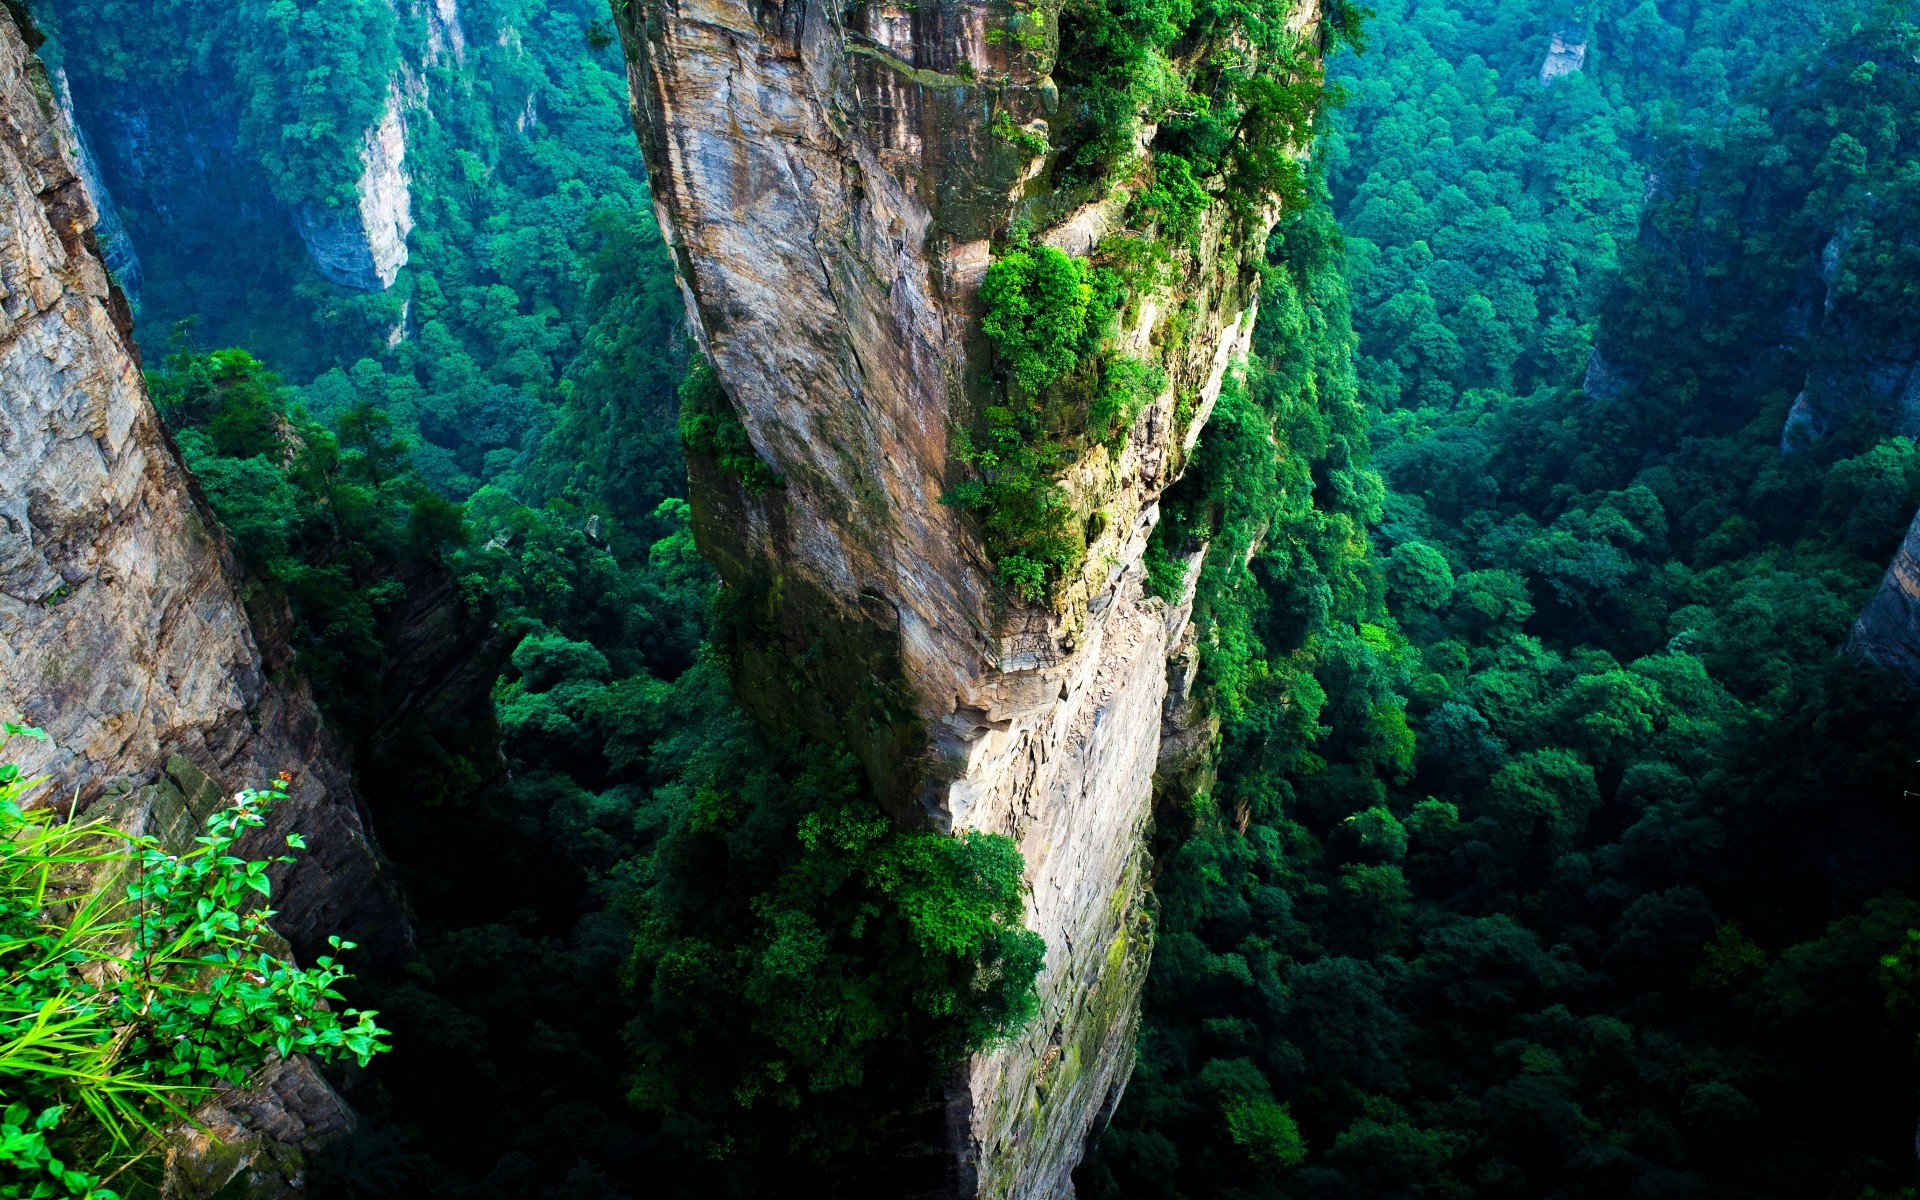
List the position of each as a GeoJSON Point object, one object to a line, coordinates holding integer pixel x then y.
{"type": "Point", "coordinates": [364, 245]}
{"type": "Point", "coordinates": [831, 187]}
{"type": "Point", "coordinates": [1803, 425]}
{"type": "Point", "coordinates": [255, 1144]}
{"type": "Point", "coordinates": [1566, 53]}
{"type": "Point", "coordinates": [122, 627]}
{"type": "Point", "coordinates": [1888, 631]}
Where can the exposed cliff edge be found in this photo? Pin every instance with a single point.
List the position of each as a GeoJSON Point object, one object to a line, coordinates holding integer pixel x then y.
{"type": "Point", "coordinates": [832, 186]}
{"type": "Point", "coordinates": [364, 245]}
{"type": "Point", "coordinates": [116, 245]}
{"type": "Point", "coordinates": [122, 626]}
{"type": "Point", "coordinates": [1888, 631]}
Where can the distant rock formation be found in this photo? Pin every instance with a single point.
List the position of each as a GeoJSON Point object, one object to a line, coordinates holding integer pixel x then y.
{"type": "Point", "coordinates": [1603, 381]}
{"type": "Point", "coordinates": [1803, 425]}
{"type": "Point", "coordinates": [364, 246]}
{"type": "Point", "coordinates": [1888, 631]}
{"type": "Point", "coordinates": [1566, 54]}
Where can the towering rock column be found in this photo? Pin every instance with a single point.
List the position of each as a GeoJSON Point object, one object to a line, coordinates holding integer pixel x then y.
{"type": "Point", "coordinates": [830, 182]}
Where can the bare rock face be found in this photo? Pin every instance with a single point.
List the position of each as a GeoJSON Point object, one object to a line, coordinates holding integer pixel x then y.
{"type": "Point", "coordinates": [116, 246]}
{"type": "Point", "coordinates": [1566, 53]}
{"type": "Point", "coordinates": [1888, 631]}
{"type": "Point", "coordinates": [365, 245]}
{"type": "Point", "coordinates": [830, 186]}
{"type": "Point", "coordinates": [122, 628]}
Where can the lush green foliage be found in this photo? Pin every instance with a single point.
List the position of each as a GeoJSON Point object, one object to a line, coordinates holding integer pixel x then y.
{"type": "Point", "coordinates": [1553, 850]}
{"type": "Point", "coordinates": [1232, 93]}
{"type": "Point", "coordinates": [306, 78]}
{"type": "Point", "coordinates": [1231, 90]}
{"type": "Point", "coordinates": [803, 959]}
{"type": "Point", "coordinates": [528, 195]}
{"type": "Point", "coordinates": [328, 518]}
{"type": "Point", "coordinates": [1047, 313]}
{"type": "Point", "coordinates": [133, 982]}
{"type": "Point", "coordinates": [710, 426]}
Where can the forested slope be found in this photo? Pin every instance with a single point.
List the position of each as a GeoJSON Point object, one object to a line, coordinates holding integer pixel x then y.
{"type": "Point", "coordinates": [1605, 914]}
{"type": "Point", "coordinates": [1550, 846]}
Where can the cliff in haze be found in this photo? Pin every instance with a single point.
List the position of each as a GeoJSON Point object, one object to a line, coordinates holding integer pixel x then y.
{"type": "Point", "coordinates": [292, 119]}
{"type": "Point", "coordinates": [938, 556]}
{"type": "Point", "coordinates": [1888, 631]}
{"type": "Point", "coordinates": [124, 629]}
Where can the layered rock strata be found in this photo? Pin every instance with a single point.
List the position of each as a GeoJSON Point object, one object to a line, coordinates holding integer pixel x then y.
{"type": "Point", "coordinates": [122, 628]}
{"type": "Point", "coordinates": [831, 184]}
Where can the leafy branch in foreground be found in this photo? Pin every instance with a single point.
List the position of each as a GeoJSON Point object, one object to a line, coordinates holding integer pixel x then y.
{"type": "Point", "coordinates": [134, 982]}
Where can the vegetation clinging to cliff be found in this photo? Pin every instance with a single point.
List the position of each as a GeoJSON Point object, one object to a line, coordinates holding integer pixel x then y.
{"type": "Point", "coordinates": [135, 980]}
{"type": "Point", "coordinates": [804, 964]}
{"type": "Point", "coordinates": [1231, 90]}
{"type": "Point", "coordinates": [1049, 315]}
{"type": "Point", "coordinates": [1232, 93]}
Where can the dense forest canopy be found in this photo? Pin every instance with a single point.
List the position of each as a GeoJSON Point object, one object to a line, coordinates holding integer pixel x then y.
{"type": "Point", "coordinates": [1558, 852]}
{"type": "Point", "coordinates": [1553, 846]}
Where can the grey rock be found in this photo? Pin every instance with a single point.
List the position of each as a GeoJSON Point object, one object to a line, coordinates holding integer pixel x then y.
{"type": "Point", "coordinates": [829, 187]}
{"type": "Point", "coordinates": [364, 245]}
{"type": "Point", "coordinates": [1888, 631]}
{"type": "Point", "coordinates": [122, 629]}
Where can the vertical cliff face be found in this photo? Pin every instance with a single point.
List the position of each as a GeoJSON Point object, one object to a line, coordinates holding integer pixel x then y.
{"type": "Point", "coordinates": [364, 245]}
{"type": "Point", "coordinates": [831, 183]}
{"type": "Point", "coordinates": [122, 627]}
{"type": "Point", "coordinates": [1888, 631]}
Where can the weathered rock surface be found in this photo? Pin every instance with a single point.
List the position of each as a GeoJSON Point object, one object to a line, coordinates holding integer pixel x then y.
{"type": "Point", "coordinates": [1566, 53]}
{"type": "Point", "coordinates": [122, 628]}
{"type": "Point", "coordinates": [1888, 631]}
{"type": "Point", "coordinates": [116, 245]}
{"type": "Point", "coordinates": [830, 189]}
{"type": "Point", "coordinates": [364, 245]}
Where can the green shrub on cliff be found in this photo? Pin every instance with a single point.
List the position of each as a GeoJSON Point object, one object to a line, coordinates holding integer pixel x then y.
{"type": "Point", "coordinates": [134, 983]}
{"type": "Point", "coordinates": [804, 964]}
{"type": "Point", "coordinates": [711, 428]}
{"type": "Point", "coordinates": [1037, 307]}
{"type": "Point", "coordinates": [1231, 89]}
{"type": "Point", "coordinates": [1049, 315]}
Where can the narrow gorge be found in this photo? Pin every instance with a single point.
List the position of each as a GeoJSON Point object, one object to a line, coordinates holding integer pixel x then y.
{"type": "Point", "coordinates": [959, 599]}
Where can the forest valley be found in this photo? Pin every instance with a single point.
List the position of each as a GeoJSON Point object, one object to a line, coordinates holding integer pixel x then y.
{"type": "Point", "coordinates": [1554, 844]}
